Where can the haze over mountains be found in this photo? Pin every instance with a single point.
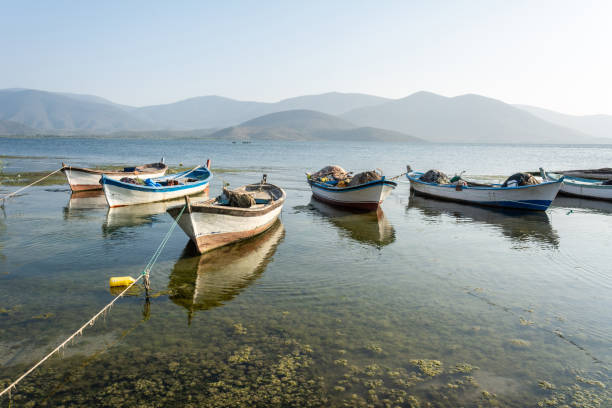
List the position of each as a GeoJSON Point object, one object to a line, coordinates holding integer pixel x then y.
{"type": "Point", "coordinates": [422, 116]}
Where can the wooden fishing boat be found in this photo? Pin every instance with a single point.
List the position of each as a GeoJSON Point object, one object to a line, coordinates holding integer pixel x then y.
{"type": "Point", "coordinates": [367, 196]}
{"type": "Point", "coordinates": [82, 179]}
{"type": "Point", "coordinates": [528, 197]}
{"type": "Point", "coordinates": [582, 187]}
{"type": "Point", "coordinates": [214, 223]}
{"type": "Point", "coordinates": [119, 193]}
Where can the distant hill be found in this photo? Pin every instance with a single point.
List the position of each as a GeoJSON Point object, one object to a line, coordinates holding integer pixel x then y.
{"type": "Point", "coordinates": [201, 112]}
{"type": "Point", "coordinates": [333, 103]}
{"type": "Point", "coordinates": [466, 118]}
{"type": "Point", "coordinates": [8, 127]}
{"type": "Point", "coordinates": [53, 112]}
{"type": "Point", "coordinates": [307, 125]}
{"type": "Point", "coordinates": [350, 116]}
{"type": "Point", "coordinates": [594, 125]}
{"type": "Point", "coordinates": [216, 111]}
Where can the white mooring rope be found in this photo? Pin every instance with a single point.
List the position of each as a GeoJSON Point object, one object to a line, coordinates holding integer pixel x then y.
{"type": "Point", "coordinates": [29, 185]}
{"type": "Point", "coordinates": [91, 322]}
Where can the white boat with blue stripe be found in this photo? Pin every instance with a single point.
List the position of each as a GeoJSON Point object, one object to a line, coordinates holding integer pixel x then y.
{"type": "Point", "coordinates": [129, 192]}
{"type": "Point", "coordinates": [528, 197]}
{"type": "Point", "coordinates": [583, 187]}
{"type": "Point", "coordinates": [367, 196]}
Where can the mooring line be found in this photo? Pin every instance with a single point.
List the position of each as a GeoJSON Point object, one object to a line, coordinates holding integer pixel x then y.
{"type": "Point", "coordinates": [91, 322]}
{"type": "Point", "coordinates": [3, 199]}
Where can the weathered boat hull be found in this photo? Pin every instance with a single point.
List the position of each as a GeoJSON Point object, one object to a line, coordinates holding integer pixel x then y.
{"type": "Point", "coordinates": [83, 179]}
{"type": "Point", "coordinates": [367, 196]}
{"type": "Point", "coordinates": [580, 187]}
{"type": "Point", "coordinates": [212, 227]}
{"type": "Point", "coordinates": [531, 197]}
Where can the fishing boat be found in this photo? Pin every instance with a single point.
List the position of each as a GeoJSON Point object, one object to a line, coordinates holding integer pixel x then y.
{"type": "Point", "coordinates": [128, 191]}
{"type": "Point", "coordinates": [527, 197]}
{"type": "Point", "coordinates": [366, 196]}
{"type": "Point", "coordinates": [217, 222]}
{"type": "Point", "coordinates": [582, 187]}
{"type": "Point", "coordinates": [83, 179]}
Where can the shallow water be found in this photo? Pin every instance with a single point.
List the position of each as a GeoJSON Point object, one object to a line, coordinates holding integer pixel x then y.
{"type": "Point", "coordinates": [422, 302]}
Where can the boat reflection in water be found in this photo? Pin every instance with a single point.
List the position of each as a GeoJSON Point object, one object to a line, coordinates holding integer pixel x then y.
{"type": "Point", "coordinates": [120, 218]}
{"type": "Point", "coordinates": [201, 282]}
{"type": "Point", "coordinates": [595, 206]}
{"type": "Point", "coordinates": [81, 204]}
{"type": "Point", "coordinates": [519, 226]}
{"type": "Point", "coordinates": [371, 228]}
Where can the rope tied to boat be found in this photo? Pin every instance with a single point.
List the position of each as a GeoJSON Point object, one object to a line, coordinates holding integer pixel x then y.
{"type": "Point", "coordinates": [103, 311]}
{"type": "Point", "coordinates": [6, 197]}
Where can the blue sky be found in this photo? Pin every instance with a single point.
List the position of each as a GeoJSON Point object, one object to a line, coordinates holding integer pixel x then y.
{"type": "Point", "coordinates": [553, 54]}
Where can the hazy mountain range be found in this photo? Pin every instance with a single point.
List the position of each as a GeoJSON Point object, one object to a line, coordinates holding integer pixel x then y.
{"type": "Point", "coordinates": [422, 116]}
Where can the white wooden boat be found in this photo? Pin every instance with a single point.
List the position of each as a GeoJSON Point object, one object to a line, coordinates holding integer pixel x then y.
{"type": "Point", "coordinates": [367, 196]}
{"type": "Point", "coordinates": [205, 281]}
{"type": "Point", "coordinates": [582, 187]}
{"type": "Point", "coordinates": [529, 197]}
{"type": "Point", "coordinates": [119, 193]}
{"type": "Point", "coordinates": [82, 179]}
{"type": "Point", "coordinates": [214, 223]}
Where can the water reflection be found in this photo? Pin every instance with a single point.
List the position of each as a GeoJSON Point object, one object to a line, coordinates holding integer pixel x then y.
{"type": "Point", "coordinates": [120, 218]}
{"type": "Point", "coordinates": [519, 226]}
{"type": "Point", "coordinates": [81, 203]}
{"type": "Point", "coordinates": [595, 206]}
{"type": "Point", "coordinates": [371, 228]}
{"type": "Point", "coordinates": [210, 280]}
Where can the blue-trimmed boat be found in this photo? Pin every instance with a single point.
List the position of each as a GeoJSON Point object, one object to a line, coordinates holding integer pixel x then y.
{"type": "Point", "coordinates": [128, 191]}
{"type": "Point", "coordinates": [367, 196]}
{"type": "Point", "coordinates": [582, 187]}
{"type": "Point", "coordinates": [528, 197]}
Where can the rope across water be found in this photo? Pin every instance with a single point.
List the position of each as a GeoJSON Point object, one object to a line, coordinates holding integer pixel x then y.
{"type": "Point", "coordinates": [6, 197]}
{"type": "Point", "coordinates": [91, 322]}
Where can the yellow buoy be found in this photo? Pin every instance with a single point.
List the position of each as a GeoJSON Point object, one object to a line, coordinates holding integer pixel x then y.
{"type": "Point", "coordinates": [121, 281]}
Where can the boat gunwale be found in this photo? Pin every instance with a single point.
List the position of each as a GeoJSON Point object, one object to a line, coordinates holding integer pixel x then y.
{"type": "Point", "coordinates": [208, 207]}
{"type": "Point", "coordinates": [411, 177]}
{"type": "Point", "coordinates": [162, 189]}
{"type": "Point", "coordinates": [369, 184]}
{"type": "Point", "coordinates": [149, 170]}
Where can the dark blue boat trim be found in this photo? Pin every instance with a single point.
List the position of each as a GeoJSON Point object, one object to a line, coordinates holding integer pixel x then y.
{"type": "Point", "coordinates": [374, 183]}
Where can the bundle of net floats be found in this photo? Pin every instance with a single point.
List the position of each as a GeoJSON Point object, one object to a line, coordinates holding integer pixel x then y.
{"type": "Point", "coordinates": [338, 177]}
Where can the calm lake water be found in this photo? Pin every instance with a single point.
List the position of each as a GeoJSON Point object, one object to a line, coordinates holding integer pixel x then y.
{"type": "Point", "coordinates": [424, 303]}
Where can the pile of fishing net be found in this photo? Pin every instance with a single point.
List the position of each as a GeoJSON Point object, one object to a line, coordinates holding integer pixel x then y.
{"type": "Point", "coordinates": [132, 180]}
{"type": "Point", "coordinates": [337, 176]}
{"type": "Point", "coordinates": [238, 199]}
{"type": "Point", "coordinates": [520, 179]}
{"type": "Point", "coordinates": [435, 176]}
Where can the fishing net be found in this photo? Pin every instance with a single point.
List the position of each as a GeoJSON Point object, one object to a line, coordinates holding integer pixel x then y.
{"type": "Point", "coordinates": [335, 172]}
{"type": "Point", "coordinates": [435, 176]}
{"type": "Point", "coordinates": [520, 179]}
{"type": "Point", "coordinates": [365, 177]}
{"type": "Point", "coordinates": [240, 200]}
